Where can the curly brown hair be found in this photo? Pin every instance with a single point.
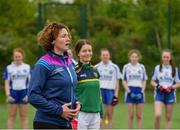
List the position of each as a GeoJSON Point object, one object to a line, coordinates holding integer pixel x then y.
{"type": "Point", "coordinates": [49, 34]}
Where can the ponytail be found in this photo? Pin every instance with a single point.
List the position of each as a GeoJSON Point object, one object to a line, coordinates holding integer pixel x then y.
{"type": "Point", "coordinates": [173, 66]}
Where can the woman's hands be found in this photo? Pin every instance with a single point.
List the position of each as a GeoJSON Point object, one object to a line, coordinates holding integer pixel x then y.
{"type": "Point", "coordinates": [68, 113]}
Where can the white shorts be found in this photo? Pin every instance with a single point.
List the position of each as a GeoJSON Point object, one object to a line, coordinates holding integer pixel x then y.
{"type": "Point", "coordinates": [88, 120]}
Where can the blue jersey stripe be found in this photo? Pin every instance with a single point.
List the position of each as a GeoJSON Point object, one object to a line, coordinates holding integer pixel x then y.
{"type": "Point", "coordinates": [5, 74]}
{"type": "Point", "coordinates": [44, 63]}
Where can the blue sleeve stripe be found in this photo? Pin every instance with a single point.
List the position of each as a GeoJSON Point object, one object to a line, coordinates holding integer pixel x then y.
{"type": "Point", "coordinates": [144, 72]}
{"type": "Point", "coordinates": [44, 63]}
{"type": "Point", "coordinates": [27, 82]}
{"type": "Point", "coordinates": [116, 70]}
{"type": "Point", "coordinates": [125, 77]}
{"type": "Point", "coordinates": [143, 76]}
{"type": "Point", "coordinates": [5, 74]}
{"type": "Point", "coordinates": [153, 72]}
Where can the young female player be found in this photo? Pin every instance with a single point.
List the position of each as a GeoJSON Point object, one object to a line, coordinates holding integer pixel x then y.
{"type": "Point", "coordinates": [88, 88]}
{"type": "Point", "coordinates": [17, 76]}
{"type": "Point", "coordinates": [134, 82]}
{"type": "Point", "coordinates": [165, 80]}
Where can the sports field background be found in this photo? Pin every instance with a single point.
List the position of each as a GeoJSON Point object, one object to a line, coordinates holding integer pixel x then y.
{"type": "Point", "coordinates": [120, 116]}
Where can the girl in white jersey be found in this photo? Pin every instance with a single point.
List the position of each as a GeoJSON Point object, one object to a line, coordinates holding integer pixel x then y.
{"type": "Point", "coordinates": [165, 80]}
{"type": "Point", "coordinates": [109, 84]}
{"type": "Point", "coordinates": [17, 76]}
{"type": "Point", "coordinates": [134, 82]}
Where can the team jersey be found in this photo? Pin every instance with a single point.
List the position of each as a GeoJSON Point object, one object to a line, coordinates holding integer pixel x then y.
{"type": "Point", "coordinates": [88, 88]}
{"type": "Point", "coordinates": [134, 74]}
{"type": "Point", "coordinates": [164, 78]}
{"type": "Point", "coordinates": [18, 76]}
{"type": "Point", "coordinates": [74, 62]}
{"type": "Point", "coordinates": [109, 74]}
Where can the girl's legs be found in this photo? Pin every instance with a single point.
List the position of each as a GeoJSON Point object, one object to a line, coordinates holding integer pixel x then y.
{"type": "Point", "coordinates": [12, 109]}
{"type": "Point", "coordinates": [139, 115]}
{"type": "Point", "coordinates": [168, 110]}
{"type": "Point", "coordinates": [23, 111]}
{"type": "Point", "coordinates": [158, 110]}
{"type": "Point", "coordinates": [110, 116]}
{"type": "Point", "coordinates": [130, 115]}
{"type": "Point", "coordinates": [103, 121]}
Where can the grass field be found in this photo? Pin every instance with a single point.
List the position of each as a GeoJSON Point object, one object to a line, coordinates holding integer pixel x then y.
{"type": "Point", "coordinates": [120, 117]}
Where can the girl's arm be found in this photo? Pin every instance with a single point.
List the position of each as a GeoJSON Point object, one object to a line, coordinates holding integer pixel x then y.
{"type": "Point", "coordinates": [116, 89]}
{"type": "Point", "coordinates": [7, 87]}
{"type": "Point", "coordinates": [124, 83]}
{"type": "Point", "coordinates": [153, 83]}
{"type": "Point", "coordinates": [143, 86]}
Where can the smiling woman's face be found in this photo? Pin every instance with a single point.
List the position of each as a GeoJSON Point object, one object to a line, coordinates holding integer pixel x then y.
{"type": "Point", "coordinates": [85, 54]}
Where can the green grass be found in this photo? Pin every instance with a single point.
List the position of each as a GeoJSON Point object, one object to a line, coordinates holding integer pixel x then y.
{"type": "Point", "coordinates": [3, 117]}
{"type": "Point", "coordinates": [120, 113]}
{"type": "Point", "coordinates": [148, 117]}
{"type": "Point", "coordinates": [120, 116]}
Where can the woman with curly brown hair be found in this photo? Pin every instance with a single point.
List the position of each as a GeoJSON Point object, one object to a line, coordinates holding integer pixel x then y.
{"type": "Point", "coordinates": [53, 81]}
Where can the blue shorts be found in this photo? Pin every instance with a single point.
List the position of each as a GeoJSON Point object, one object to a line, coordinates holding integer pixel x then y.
{"type": "Point", "coordinates": [18, 95]}
{"type": "Point", "coordinates": [107, 96]}
{"type": "Point", "coordinates": [135, 96]}
{"type": "Point", "coordinates": [166, 98]}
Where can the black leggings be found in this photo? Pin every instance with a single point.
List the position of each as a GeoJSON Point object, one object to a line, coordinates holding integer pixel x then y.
{"type": "Point", "coordinates": [44, 125]}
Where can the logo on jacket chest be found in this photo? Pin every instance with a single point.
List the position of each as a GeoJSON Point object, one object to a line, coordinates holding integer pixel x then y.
{"type": "Point", "coordinates": [58, 70]}
{"type": "Point", "coordinates": [83, 75]}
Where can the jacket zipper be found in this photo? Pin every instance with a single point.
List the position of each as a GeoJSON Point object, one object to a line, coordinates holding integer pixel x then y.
{"type": "Point", "coordinates": [71, 88]}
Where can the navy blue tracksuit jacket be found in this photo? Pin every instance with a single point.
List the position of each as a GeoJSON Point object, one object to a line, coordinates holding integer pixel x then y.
{"type": "Point", "coordinates": [52, 84]}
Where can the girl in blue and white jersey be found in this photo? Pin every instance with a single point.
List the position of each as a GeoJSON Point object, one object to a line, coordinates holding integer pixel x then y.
{"type": "Point", "coordinates": [109, 83]}
{"type": "Point", "coordinates": [17, 76]}
{"type": "Point", "coordinates": [165, 80]}
{"type": "Point", "coordinates": [134, 82]}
